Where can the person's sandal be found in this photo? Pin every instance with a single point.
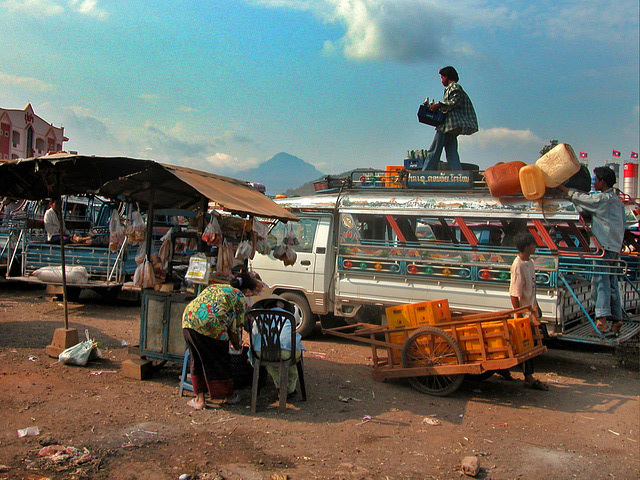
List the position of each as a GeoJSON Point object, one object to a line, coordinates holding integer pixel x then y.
{"type": "Point", "coordinates": [196, 406]}
{"type": "Point", "coordinates": [601, 324]}
{"type": "Point", "coordinates": [616, 327]}
{"type": "Point", "coordinates": [536, 385]}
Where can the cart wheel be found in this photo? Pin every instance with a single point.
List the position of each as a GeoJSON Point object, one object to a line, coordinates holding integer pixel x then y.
{"type": "Point", "coordinates": [429, 347]}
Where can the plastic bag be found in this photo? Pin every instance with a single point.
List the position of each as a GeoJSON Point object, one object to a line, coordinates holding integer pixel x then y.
{"type": "Point", "coordinates": [280, 251]}
{"type": "Point", "coordinates": [141, 253]}
{"type": "Point", "coordinates": [149, 278]}
{"type": "Point", "coordinates": [144, 276]}
{"type": "Point", "coordinates": [80, 353]}
{"type": "Point", "coordinates": [212, 234]}
{"type": "Point", "coordinates": [260, 229]}
{"type": "Point", "coordinates": [116, 234]}
{"type": "Point", "coordinates": [136, 231]}
{"type": "Point", "coordinates": [263, 247]}
{"type": "Point", "coordinates": [198, 271]}
{"type": "Point", "coordinates": [290, 238]}
{"type": "Point", "coordinates": [165, 249]}
{"type": "Point", "coordinates": [290, 256]}
{"type": "Point", "coordinates": [244, 250]}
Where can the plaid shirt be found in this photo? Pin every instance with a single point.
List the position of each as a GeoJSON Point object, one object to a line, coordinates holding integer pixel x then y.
{"type": "Point", "coordinates": [460, 117]}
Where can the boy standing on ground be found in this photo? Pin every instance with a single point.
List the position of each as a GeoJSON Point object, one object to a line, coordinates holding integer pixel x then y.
{"type": "Point", "coordinates": [522, 289]}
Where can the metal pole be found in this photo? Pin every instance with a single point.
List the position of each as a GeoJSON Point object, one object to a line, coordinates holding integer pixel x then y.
{"type": "Point", "coordinates": [64, 273]}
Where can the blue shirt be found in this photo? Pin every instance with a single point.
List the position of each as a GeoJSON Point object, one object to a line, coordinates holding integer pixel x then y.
{"type": "Point", "coordinates": [285, 336]}
{"type": "Point", "coordinates": [607, 216]}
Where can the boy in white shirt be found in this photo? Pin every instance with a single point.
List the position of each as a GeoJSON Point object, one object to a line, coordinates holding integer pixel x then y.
{"type": "Point", "coordinates": [522, 290]}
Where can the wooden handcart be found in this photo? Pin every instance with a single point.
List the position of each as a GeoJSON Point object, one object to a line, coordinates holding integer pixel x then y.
{"type": "Point", "coordinates": [436, 358]}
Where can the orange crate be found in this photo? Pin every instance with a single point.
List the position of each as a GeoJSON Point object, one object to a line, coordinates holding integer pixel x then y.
{"type": "Point", "coordinates": [391, 177]}
{"type": "Point", "coordinates": [429, 313]}
{"type": "Point", "coordinates": [469, 343]}
{"type": "Point", "coordinates": [398, 317]}
{"type": "Point", "coordinates": [521, 334]}
{"type": "Point", "coordinates": [489, 329]}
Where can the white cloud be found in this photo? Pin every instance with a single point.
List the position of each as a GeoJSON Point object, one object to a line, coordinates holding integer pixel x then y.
{"type": "Point", "coordinates": [89, 8]}
{"type": "Point", "coordinates": [50, 8]}
{"type": "Point", "coordinates": [502, 136]}
{"type": "Point", "coordinates": [27, 83]}
{"type": "Point", "coordinates": [415, 30]}
{"type": "Point", "coordinates": [224, 161]}
{"type": "Point", "coordinates": [47, 8]}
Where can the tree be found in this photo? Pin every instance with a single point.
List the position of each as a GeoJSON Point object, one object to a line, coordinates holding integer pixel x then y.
{"type": "Point", "coordinates": [546, 148]}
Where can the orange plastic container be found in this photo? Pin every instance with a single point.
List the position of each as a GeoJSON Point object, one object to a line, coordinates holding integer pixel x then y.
{"type": "Point", "coordinates": [503, 179]}
{"type": "Point", "coordinates": [532, 182]}
{"type": "Point", "coordinates": [392, 176]}
{"type": "Point", "coordinates": [428, 313]}
{"type": "Point", "coordinates": [521, 334]}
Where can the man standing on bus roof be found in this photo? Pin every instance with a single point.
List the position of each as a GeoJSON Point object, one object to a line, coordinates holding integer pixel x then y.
{"type": "Point", "coordinates": [459, 119]}
{"type": "Point", "coordinates": [607, 225]}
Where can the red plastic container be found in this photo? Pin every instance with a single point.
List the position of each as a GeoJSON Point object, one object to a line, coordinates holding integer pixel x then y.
{"type": "Point", "coordinates": [503, 179]}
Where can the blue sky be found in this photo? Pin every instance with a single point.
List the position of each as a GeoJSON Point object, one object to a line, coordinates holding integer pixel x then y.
{"type": "Point", "coordinates": [225, 85]}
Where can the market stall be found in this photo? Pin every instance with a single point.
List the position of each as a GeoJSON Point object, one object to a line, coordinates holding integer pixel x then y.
{"type": "Point", "coordinates": [156, 187]}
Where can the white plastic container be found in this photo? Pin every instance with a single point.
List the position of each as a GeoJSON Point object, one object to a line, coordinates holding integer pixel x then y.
{"type": "Point", "coordinates": [558, 165]}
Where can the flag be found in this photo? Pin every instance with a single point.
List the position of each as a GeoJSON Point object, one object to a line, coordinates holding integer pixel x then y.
{"type": "Point", "coordinates": [615, 153]}
{"type": "Point", "coordinates": [583, 155]}
{"type": "Point", "coordinates": [634, 154]}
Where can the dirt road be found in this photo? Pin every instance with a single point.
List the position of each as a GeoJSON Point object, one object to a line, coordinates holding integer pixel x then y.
{"type": "Point", "coordinates": [351, 427]}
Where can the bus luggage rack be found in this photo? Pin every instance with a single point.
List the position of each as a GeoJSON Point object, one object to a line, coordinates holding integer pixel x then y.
{"type": "Point", "coordinates": [401, 178]}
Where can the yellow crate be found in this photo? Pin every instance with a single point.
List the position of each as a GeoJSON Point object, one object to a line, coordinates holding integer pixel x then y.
{"type": "Point", "coordinates": [501, 342]}
{"type": "Point", "coordinates": [398, 317]}
{"type": "Point", "coordinates": [521, 334]}
{"type": "Point", "coordinates": [469, 343]}
{"type": "Point", "coordinates": [429, 313]}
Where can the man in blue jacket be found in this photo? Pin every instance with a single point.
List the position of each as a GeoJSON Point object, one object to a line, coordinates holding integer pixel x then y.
{"type": "Point", "coordinates": [607, 225]}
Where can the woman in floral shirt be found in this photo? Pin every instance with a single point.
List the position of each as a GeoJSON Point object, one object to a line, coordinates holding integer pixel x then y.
{"type": "Point", "coordinates": [210, 321]}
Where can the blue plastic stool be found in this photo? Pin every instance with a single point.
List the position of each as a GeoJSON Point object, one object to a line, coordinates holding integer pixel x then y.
{"type": "Point", "coordinates": [184, 383]}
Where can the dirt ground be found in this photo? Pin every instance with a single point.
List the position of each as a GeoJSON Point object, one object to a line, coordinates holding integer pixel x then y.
{"type": "Point", "coordinates": [585, 426]}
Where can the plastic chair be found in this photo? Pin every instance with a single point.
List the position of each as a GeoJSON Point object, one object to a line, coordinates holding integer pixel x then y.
{"type": "Point", "coordinates": [269, 324]}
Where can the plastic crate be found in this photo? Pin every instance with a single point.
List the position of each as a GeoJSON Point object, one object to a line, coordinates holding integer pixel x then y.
{"type": "Point", "coordinates": [392, 178]}
{"type": "Point", "coordinates": [430, 313]}
{"type": "Point", "coordinates": [469, 343]}
{"type": "Point", "coordinates": [493, 341]}
{"type": "Point", "coordinates": [398, 317]}
{"type": "Point", "coordinates": [521, 334]}
{"type": "Point", "coordinates": [413, 163]}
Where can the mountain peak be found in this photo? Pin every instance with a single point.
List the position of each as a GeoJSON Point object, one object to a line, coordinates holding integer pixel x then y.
{"type": "Point", "coordinates": [281, 172]}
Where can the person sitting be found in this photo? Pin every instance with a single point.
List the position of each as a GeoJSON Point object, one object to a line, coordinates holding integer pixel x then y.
{"type": "Point", "coordinates": [277, 303]}
{"type": "Point", "coordinates": [52, 225]}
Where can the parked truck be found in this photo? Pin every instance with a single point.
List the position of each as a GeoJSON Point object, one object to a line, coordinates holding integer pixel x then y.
{"type": "Point", "coordinates": [371, 243]}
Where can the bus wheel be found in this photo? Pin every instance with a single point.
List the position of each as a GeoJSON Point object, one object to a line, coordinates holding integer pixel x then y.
{"type": "Point", "coordinates": [305, 320]}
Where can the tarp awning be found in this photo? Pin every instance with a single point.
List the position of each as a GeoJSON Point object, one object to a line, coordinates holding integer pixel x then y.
{"type": "Point", "coordinates": [135, 180]}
